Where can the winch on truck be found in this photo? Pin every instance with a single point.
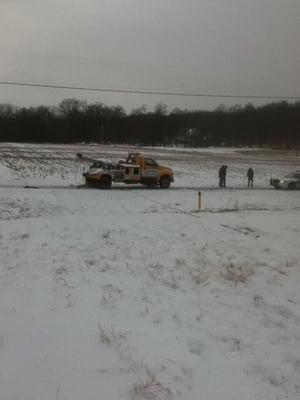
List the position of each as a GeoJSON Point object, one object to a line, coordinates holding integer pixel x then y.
{"type": "Point", "coordinates": [136, 169]}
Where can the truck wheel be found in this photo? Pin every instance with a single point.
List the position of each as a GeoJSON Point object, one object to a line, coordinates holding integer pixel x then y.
{"type": "Point", "coordinates": [164, 182]}
{"type": "Point", "coordinates": [105, 182]}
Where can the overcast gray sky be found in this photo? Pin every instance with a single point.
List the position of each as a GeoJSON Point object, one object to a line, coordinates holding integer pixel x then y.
{"type": "Point", "coordinates": [242, 47]}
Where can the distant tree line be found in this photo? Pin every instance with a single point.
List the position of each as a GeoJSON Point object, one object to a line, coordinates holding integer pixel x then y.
{"type": "Point", "coordinates": [274, 124]}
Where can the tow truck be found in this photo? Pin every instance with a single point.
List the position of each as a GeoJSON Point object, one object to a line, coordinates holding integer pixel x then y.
{"type": "Point", "coordinates": [136, 169]}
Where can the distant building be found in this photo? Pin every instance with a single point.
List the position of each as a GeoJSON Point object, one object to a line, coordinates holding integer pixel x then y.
{"type": "Point", "coordinates": [192, 137]}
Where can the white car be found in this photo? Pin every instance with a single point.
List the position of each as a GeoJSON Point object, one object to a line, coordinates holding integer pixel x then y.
{"type": "Point", "coordinates": [290, 181]}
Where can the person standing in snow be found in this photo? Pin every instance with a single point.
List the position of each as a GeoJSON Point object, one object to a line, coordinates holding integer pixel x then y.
{"type": "Point", "coordinates": [222, 176]}
{"type": "Point", "coordinates": [250, 176]}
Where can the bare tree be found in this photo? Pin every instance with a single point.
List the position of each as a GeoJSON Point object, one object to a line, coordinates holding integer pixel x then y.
{"type": "Point", "coordinates": [161, 109]}
{"type": "Point", "coordinates": [72, 107]}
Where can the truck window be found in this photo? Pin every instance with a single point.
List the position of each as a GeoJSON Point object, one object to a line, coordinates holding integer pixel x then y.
{"type": "Point", "coordinates": [151, 163]}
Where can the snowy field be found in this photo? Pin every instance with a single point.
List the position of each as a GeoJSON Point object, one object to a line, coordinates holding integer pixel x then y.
{"type": "Point", "coordinates": [133, 293]}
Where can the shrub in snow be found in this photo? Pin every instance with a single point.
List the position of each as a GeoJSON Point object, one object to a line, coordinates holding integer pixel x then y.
{"type": "Point", "coordinates": [150, 389]}
{"type": "Point", "coordinates": [237, 274]}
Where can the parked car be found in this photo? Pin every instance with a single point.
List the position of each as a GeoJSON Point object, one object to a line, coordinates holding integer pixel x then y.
{"type": "Point", "coordinates": [290, 181]}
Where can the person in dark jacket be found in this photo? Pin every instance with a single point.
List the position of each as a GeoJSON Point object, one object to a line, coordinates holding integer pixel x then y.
{"type": "Point", "coordinates": [222, 176]}
{"type": "Point", "coordinates": [250, 176]}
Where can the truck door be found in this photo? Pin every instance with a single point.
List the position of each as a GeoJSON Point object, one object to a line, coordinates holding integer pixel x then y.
{"type": "Point", "coordinates": [150, 169]}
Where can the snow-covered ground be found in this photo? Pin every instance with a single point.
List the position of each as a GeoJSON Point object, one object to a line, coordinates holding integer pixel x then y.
{"type": "Point", "coordinates": [133, 293]}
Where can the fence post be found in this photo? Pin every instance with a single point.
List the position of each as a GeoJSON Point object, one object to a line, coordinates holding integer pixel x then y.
{"type": "Point", "coordinates": [199, 201]}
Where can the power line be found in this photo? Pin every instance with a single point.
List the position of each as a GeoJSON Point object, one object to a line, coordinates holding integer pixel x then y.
{"type": "Point", "coordinates": [144, 92]}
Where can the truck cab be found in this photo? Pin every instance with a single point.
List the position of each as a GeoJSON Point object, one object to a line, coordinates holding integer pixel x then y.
{"type": "Point", "coordinates": [147, 171]}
